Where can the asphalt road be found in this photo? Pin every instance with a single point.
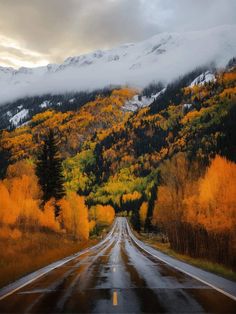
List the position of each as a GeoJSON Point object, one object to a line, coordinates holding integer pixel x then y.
{"type": "Point", "coordinates": [117, 276]}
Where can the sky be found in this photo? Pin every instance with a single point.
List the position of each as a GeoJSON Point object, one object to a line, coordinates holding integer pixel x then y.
{"type": "Point", "coordinates": [38, 32]}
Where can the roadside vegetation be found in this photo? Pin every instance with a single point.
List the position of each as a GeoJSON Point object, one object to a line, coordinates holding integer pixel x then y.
{"type": "Point", "coordinates": [25, 252]}
{"type": "Point", "coordinates": [198, 212]}
{"type": "Point", "coordinates": [33, 232]}
{"type": "Point", "coordinates": [157, 241]}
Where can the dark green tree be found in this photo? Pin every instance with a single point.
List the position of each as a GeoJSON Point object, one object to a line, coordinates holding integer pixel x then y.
{"type": "Point", "coordinates": [4, 162]}
{"type": "Point", "coordinates": [49, 169]}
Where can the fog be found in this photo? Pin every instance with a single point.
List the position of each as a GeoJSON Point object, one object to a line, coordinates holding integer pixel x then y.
{"type": "Point", "coordinates": [135, 65]}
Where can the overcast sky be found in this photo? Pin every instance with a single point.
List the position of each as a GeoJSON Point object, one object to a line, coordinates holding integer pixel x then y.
{"type": "Point", "coordinates": [37, 32]}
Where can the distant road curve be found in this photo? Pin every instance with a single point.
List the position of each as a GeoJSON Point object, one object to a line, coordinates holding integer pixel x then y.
{"type": "Point", "coordinates": [121, 274]}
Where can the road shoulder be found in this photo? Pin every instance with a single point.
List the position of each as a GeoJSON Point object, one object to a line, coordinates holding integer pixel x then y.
{"type": "Point", "coordinates": [225, 286]}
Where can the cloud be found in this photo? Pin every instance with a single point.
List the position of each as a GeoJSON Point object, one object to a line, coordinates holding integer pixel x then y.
{"type": "Point", "coordinates": [196, 15]}
{"type": "Point", "coordinates": [61, 28]}
{"type": "Point", "coordinates": [53, 30]}
{"type": "Point", "coordinates": [161, 58]}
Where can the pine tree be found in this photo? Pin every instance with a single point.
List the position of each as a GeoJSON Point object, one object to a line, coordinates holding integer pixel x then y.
{"type": "Point", "coordinates": [49, 170]}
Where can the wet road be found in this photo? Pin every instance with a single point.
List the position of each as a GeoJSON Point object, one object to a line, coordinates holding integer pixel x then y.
{"type": "Point", "coordinates": [116, 276]}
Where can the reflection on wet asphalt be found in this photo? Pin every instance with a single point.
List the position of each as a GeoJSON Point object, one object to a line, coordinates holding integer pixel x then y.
{"type": "Point", "coordinates": [116, 277]}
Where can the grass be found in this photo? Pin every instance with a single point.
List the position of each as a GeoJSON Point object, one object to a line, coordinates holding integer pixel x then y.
{"type": "Point", "coordinates": [23, 253]}
{"type": "Point", "coordinates": [205, 264]}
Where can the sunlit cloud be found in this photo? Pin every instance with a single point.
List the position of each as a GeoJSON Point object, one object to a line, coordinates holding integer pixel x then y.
{"type": "Point", "coordinates": [50, 31]}
{"type": "Point", "coordinates": [12, 54]}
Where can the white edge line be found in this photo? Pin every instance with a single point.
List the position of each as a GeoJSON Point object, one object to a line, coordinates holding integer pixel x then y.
{"type": "Point", "coordinates": [181, 270]}
{"type": "Point", "coordinates": [59, 265]}
{"type": "Point", "coordinates": [37, 277]}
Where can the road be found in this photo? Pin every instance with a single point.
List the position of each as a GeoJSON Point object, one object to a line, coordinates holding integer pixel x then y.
{"type": "Point", "coordinates": [116, 276]}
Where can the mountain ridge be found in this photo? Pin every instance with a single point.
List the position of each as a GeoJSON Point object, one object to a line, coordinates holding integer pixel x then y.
{"type": "Point", "coordinates": [162, 57]}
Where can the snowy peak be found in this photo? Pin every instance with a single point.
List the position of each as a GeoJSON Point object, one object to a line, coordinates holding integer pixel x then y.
{"type": "Point", "coordinates": [163, 57]}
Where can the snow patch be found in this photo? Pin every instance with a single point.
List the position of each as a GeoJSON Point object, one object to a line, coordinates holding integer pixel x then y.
{"type": "Point", "coordinates": [138, 102]}
{"type": "Point", "coordinates": [16, 119]}
{"type": "Point", "coordinates": [203, 78]}
{"type": "Point", "coordinates": [9, 114]}
{"type": "Point", "coordinates": [187, 106]}
{"type": "Point", "coordinates": [45, 104]}
{"type": "Point", "coordinates": [159, 93]}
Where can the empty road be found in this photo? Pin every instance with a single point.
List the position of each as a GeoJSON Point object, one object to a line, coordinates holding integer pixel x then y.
{"type": "Point", "coordinates": [116, 276]}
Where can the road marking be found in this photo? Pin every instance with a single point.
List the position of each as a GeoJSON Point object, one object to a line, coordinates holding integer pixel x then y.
{"type": "Point", "coordinates": [180, 269]}
{"type": "Point", "coordinates": [115, 298]}
{"type": "Point", "coordinates": [114, 269]}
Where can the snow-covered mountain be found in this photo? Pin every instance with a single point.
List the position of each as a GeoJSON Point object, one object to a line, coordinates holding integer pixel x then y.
{"type": "Point", "coordinates": [160, 58]}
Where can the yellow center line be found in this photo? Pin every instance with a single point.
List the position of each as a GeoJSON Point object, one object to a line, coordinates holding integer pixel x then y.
{"type": "Point", "coordinates": [115, 298]}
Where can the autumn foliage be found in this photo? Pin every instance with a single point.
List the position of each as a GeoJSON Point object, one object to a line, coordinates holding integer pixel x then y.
{"type": "Point", "coordinates": [21, 206]}
{"type": "Point", "coordinates": [199, 215]}
{"type": "Point", "coordinates": [215, 205]}
{"type": "Point", "coordinates": [102, 214]}
{"type": "Point", "coordinates": [143, 213]}
{"type": "Point", "coordinates": [73, 127]}
{"type": "Point", "coordinates": [161, 165]}
{"type": "Point", "coordinates": [20, 200]}
{"type": "Point", "coordinates": [74, 215]}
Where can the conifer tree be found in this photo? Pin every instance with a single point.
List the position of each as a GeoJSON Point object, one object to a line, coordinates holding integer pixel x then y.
{"type": "Point", "coordinates": [49, 169]}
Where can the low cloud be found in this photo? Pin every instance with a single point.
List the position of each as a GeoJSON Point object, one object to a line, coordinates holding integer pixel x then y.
{"type": "Point", "coordinates": [162, 58]}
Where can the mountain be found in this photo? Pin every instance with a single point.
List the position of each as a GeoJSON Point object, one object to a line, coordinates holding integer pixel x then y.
{"type": "Point", "coordinates": [183, 117]}
{"type": "Point", "coordinates": [163, 57]}
{"type": "Point", "coordinates": [19, 112]}
{"type": "Point", "coordinates": [155, 95]}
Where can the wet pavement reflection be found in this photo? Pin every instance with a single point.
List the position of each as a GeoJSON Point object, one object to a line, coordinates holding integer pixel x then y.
{"type": "Point", "coordinates": [116, 277]}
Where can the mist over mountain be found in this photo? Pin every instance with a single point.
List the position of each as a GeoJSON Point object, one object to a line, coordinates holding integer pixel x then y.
{"type": "Point", "coordinates": [163, 57]}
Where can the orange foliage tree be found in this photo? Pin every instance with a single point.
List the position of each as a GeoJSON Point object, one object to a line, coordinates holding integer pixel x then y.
{"type": "Point", "coordinates": [143, 213]}
{"type": "Point", "coordinates": [20, 200]}
{"type": "Point", "coordinates": [74, 215]}
{"type": "Point", "coordinates": [199, 214]}
{"type": "Point", "coordinates": [215, 205]}
{"type": "Point", "coordinates": [102, 214]}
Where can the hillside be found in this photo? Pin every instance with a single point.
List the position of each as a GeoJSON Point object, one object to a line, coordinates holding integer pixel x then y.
{"type": "Point", "coordinates": [195, 118]}
{"type": "Point", "coordinates": [73, 128]}
{"type": "Point", "coordinates": [199, 122]}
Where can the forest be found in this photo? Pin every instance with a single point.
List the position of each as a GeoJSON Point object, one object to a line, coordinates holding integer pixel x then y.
{"type": "Point", "coordinates": [170, 167]}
